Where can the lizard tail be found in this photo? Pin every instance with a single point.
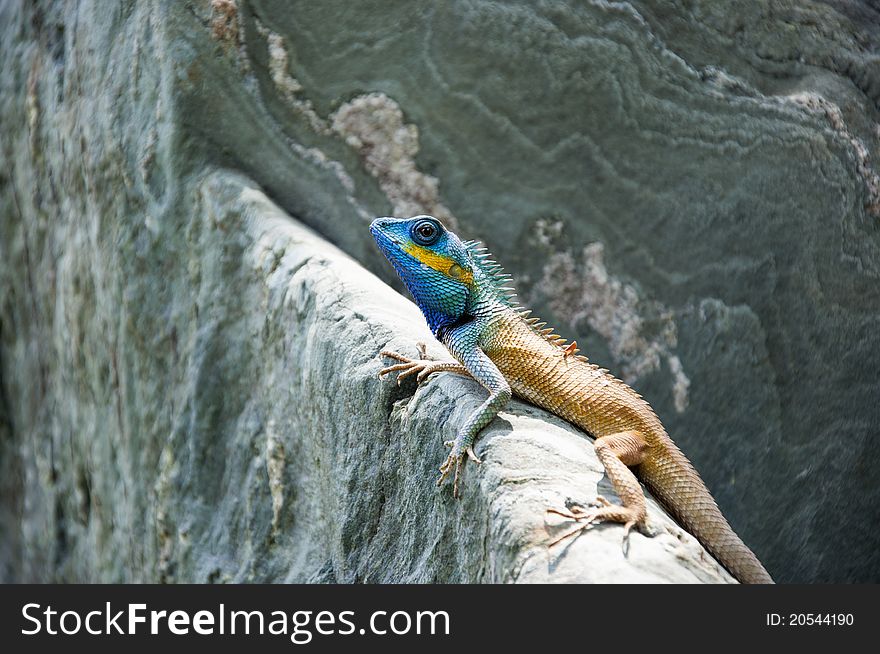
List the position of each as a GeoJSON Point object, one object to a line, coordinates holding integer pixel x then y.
{"type": "Point", "coordinates": [678, 486]}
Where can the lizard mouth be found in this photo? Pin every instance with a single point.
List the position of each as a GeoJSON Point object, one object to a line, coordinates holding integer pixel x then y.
{"type": "Point", "coordinates": [381, 236]}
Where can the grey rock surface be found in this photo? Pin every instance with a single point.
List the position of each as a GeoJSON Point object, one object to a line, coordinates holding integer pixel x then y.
{"type": "Point", "coordinates": [271, 450]}
{"type": "Point", "coordinates": [689, 189]}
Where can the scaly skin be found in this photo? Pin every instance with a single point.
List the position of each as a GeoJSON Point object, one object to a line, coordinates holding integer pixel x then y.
{"type": "Point", "coordinates": [461, 294]}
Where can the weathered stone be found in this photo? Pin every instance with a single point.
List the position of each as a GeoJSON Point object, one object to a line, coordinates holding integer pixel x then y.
{"type": "Point", "coordinates": [274, 453]}
{"type": "Point", "coordinates": [689, 189]}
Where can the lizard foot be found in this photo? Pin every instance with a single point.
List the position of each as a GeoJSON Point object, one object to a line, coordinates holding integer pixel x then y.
{"type": "Point", "coordinates": [602, 511]}
{"type": "Point", "coordinates": [455, 462]}
{"type": "Point", "coordinates": [421, 367]}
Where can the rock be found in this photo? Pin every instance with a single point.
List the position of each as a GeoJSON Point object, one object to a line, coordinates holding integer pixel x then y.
{"type": "Point", "coordinates": [272, 452]}
{"type": "Point", "coordinates": [689, 189]}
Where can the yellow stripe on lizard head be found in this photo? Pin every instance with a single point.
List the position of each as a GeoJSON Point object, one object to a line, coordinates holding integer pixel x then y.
{"type": "Point", "coordinates": [440, 263]}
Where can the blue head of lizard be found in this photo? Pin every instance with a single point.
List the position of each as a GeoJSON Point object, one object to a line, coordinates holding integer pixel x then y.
{"type": "Point", "coordinates": [433, 263]}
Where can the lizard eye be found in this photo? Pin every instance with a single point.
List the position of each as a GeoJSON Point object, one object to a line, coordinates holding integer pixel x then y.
{"type": "Point", "coordinates": [426, 232]}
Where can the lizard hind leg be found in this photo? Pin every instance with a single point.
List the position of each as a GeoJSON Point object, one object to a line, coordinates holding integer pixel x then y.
{"type": "Point", "coordinates": [616, 452]}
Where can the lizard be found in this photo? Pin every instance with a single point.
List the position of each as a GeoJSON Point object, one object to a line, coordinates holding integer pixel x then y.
{"type": "Point", "coordinates": [468, 303]}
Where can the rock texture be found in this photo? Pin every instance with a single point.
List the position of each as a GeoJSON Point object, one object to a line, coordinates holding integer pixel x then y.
{"type": "Point", "coordinates": [251, 440]}
{"type": "Point", "coordinates": [689, 189]}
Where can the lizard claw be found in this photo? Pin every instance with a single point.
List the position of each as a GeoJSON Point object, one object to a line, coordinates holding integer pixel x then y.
{"type": "Point", "coordinates": [423, 351]}
{"type": "Point", "coordinates": [603, 511]}
{"type": "Point", "coordinates": [407, 367]}
{"type": "Point", "coordinates": [423, 373]}
{"type": "Point", "coordinates": [626, 529]}
{"type": "Point", "coordinates": [421, 367]}
{"type": "Point", "coordinates": [452, 464]}
{"type": "Point", "coordinates": [455, 463]}
{"type": "Point", "coordinates": [585, 520]}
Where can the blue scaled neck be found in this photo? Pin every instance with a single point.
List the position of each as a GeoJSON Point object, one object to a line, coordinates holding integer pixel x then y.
{"type": "Point", "coordinates": [437, 320]}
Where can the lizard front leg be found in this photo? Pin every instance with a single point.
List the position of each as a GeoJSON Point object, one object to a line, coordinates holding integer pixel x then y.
{"type": "Point", "coordinates": [463, 342]}
{"type": "Point", "coordinates": [463, 445]}
{"type": "Point", "coordinates": [616, 452]}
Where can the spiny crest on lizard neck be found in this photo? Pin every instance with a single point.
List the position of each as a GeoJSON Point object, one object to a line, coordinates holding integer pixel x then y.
{"type": "Point", "coordinates": [448, 278]}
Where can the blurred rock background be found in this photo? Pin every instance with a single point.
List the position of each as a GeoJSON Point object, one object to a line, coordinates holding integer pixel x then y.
{"type": "Point", "coordinates": [690, 189]}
